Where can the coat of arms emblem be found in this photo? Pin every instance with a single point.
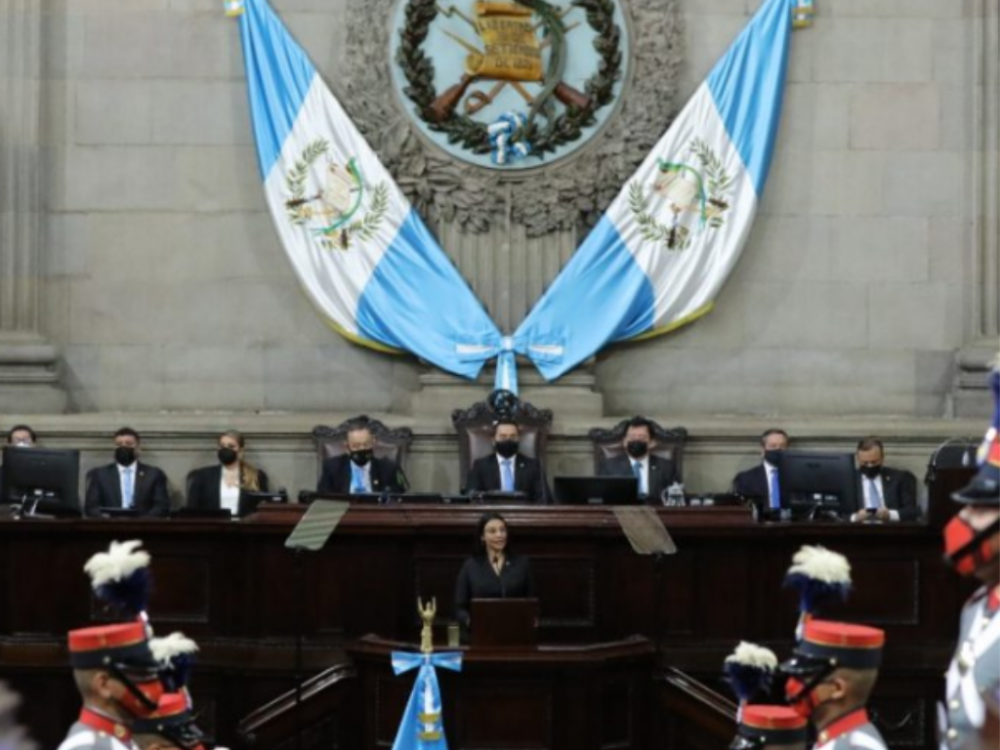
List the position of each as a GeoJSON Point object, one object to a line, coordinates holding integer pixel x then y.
{"type": "Point", "coordinates": [509, 85]}
{"type": "Point", "coordinates": [683, 200]}
{"type": "Point", "coordinates": [335, 206]}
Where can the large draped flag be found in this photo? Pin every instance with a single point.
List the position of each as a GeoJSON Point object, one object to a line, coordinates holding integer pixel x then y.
{"type": "Point", "coordinates": [363, 255]}
{"type": "Point", "coordinates": [422, 725]}
{"type": "Point", "coordinates": [665, 246]}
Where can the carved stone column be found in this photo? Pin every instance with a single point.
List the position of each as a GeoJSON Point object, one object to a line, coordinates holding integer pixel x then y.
{"type": "Point", "coordinates": [28, 363]}
{"type": "Point", "coordinates": [971, 398]}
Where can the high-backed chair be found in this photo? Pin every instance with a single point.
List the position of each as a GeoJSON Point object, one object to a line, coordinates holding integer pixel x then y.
{"type": "Point", "coordinates": [475, 433]}
{"type": "Point", "coordinates": [669, 443]}
{"type": "Point", "coordinates": [393, 444]}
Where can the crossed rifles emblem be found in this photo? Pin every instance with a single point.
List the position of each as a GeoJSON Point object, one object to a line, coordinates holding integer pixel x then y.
{"type": "Point", "coordinates": [511, 55]}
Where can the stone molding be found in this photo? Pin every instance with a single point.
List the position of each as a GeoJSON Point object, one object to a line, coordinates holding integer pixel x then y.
{"type": "Point", "coordinates": [28, 363]}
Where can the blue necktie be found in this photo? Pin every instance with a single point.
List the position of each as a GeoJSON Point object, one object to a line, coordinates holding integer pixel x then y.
{"type": "Point", "coordinates": [357, 480]}
{"type": "Point", "coordinates": [506, 476]}
{"type": "Point", "coordinates": [775, 491]}
{"type": "Point", "coordinates": [127, 490]}
{"type": "Point", "coordinates": [637, 470]}
{"type": "Point", "coordinates": [874, 498]}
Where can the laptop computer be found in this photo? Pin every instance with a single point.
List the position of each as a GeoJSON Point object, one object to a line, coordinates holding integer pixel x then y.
{"type": "Point", "coordinates": [503, 623]}
{"type": "Point", "coordinates": [597, 491]}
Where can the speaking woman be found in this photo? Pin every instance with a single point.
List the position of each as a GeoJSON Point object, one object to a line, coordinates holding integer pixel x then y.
{"type": "Point", "coordinates": [493, 572]}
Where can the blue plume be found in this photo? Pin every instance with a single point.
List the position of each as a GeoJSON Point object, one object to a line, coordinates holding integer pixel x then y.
{"type": "Point", "coordinates": [129, 594]}
{"type": "Point", "coordinates": [813, 592]}
{"type": "Point", "coordinates": [749, 670]}
{"type": "Point", "coordinates": [176, 676]}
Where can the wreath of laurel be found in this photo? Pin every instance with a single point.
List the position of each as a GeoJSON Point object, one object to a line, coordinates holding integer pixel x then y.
{"type": "Point", "coordinates": [461, 129]}
{"type": "Point", "coordinates": [363, 229]}
{"type": "Point", "coordinates": [718, 181]}
{"type": "Point", "coordinates": [564, 196]}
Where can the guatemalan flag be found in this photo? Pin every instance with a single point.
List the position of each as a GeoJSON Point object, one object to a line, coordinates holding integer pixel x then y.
{"type": "Point", "coordinates": [663, 250]}
{"type": "Point", "coordinates": [422, 724]}
{"type": "Point", "coordinates": [363, 255]}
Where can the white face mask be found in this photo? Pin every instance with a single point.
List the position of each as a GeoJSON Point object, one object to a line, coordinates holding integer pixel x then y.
{"type": "Point", "coordinates": [22, 444]}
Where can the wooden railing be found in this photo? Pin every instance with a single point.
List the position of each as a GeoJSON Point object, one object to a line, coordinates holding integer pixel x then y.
{"type": "Point", "coordinates": [693, 717]}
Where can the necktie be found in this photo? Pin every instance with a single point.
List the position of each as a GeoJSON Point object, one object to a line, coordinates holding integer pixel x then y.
{"type": "Point", "coordinates": [506, 476]}
{"type": "Point", "coordinates": [637, 470]}
{"type": "Point", "coordinates": [775, 490]}
{"type": "Point", "coordinates": [127, 489]}
{"type": "Point", "coordinates": [357, 480]}
{"type": "Point", "coordinates": [874, 498]}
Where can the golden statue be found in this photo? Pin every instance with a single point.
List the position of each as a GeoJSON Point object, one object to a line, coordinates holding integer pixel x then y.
{"type": "Point", "coordinates": [427, 613]}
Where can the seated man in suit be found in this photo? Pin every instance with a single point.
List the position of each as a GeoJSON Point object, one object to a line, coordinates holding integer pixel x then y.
{"type": "Point", "coordinates": [884, 494]}
{"type": "Point", "coordinates": [358, 471]}
{"type": "Point", "coordinates": [761, 482]}
{"type": "Point", "coordinates": [655, 474]}
{"type": "Point", "coordinates": [507, 470]}
{"type": "Point", "coordinates": [18, 436]}
{"type": "Point", "coordinates": [127, 482]}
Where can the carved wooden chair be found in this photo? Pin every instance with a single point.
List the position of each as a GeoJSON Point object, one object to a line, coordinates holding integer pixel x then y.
{"type": "Point", "coordinates": [393, 444]}
{"type": "Point", "coordinates": [669, 443]}
{"type": "Point", "coordinates": [475, 433]}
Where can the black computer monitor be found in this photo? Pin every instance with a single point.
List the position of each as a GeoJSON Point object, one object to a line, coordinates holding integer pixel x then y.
{"type": "Point", "coordinates": [597, 490]}
{"type": "Point", "coordinates": [41, 478]}
{"type": "Point", "coordinates": [816, 485]}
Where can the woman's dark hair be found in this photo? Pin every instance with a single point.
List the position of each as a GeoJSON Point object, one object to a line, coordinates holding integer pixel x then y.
{"type": "Point", "coordinates": [492, 515]}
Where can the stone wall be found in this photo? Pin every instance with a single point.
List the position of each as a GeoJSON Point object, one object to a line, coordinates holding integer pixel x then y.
{"type": "Point", "coordinates": [164, 288]}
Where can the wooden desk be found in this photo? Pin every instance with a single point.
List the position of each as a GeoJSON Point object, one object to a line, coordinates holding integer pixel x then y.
{"type": "Point", "coordinates": [559, 697]}
{"type": "Point", "coordinates": [228, 584]}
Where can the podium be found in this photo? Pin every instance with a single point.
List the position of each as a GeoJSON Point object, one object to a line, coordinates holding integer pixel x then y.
{"type": "Point", "coordinates": [581, 697]}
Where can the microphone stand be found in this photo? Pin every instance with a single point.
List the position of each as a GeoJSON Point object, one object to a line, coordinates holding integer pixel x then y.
{"type": "Point", "coordinates": [298, 573]}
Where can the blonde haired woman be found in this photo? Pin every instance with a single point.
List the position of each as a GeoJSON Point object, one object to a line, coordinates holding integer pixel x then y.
{"type": "Point", "coordinates": [220, 486]}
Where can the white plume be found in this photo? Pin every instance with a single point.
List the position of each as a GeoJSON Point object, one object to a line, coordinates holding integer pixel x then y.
{"type": "Point", "coordinates": [821, 564]}
{"type": "Point", "coordinates": [120, 561]}
{"type": "Point", "coordinates": [752, 655]}
{"type": "Point", "coordinates": [166, 648]}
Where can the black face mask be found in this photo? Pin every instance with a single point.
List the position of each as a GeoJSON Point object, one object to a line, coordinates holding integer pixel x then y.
{"type": "Point", "coordinates": [227, 456]}
{"type": "Point", "coordinates": [637, 448]}
{"type": "Point", "coordinates": [507, 448]}
{"type": "Point", "coordinates": [361, 457]}
{"type": "Point", "coordinates": [774, 457]}
{"type": "Point", "coordinates": [871, 471]}
{"type": "Point", "coordinates": [125, 455]}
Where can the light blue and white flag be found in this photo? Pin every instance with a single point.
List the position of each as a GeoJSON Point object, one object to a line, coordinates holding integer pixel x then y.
{"type": "Point", "coordinates": [422, 725]}
{"type": "Point", "coordinates": [363, 255]}
{"type": "Point", "coordinates": [659, 256]}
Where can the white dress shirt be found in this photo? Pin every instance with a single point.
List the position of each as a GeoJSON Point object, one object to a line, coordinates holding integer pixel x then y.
{"type": "Point", "coordinates": [229, 497]}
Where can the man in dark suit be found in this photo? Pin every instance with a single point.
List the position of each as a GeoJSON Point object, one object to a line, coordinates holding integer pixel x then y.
{"type": "Point", "coordinates": [655, 474]}
{"type": "Point", "coordinates": [18, 436]}
{"type": "Point", "coordinates": [884, 494]}
{"type": "Point", "coordinates": [127, 483]}
{"type": "Point", "coordinates": [507, 470]}
{"type": "Point", "coordinates": [358, 471]}
{"type": "Point", "coordinates": [760, 483]}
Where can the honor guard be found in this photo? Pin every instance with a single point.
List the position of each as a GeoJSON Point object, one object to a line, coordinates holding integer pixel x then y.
{"type": "Point", "coordinates": [830, 678]}
{"type": "Point", "coordinates": [770, 728]}
{"type": "Point", "coordinates": [972, 541]}
{"type": "Point", "coordinates": [118, 681]}
{"type": "Point", "coordinates": [171, 727]}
